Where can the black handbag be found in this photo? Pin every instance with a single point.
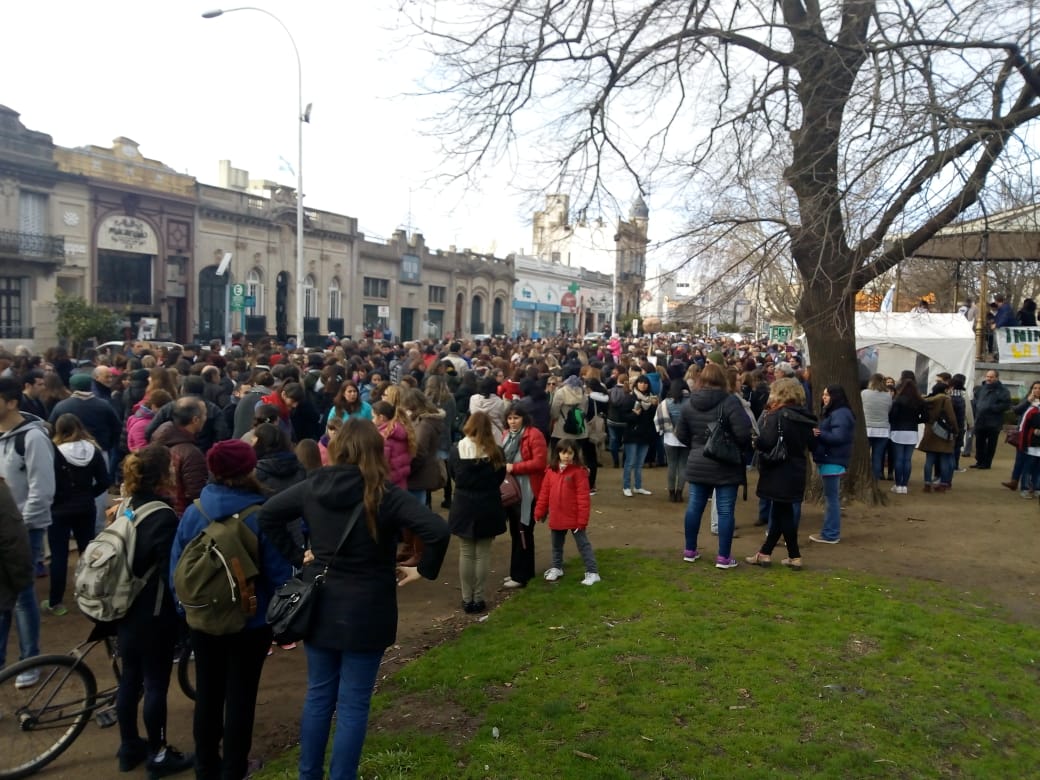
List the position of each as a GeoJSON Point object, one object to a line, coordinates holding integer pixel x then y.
{"type": "Point", "coordinates": [292, 606]}
{"type": "Point", "coordinates": [721, 446]}
{"type": "Point", "coordinates": [778, 452]}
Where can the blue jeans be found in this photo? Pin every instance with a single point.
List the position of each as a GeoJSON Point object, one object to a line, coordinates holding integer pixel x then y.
{"type": "Point", "coordinates": [635, 454]}
{"type": "Point", "coordinates": [337, 682]}
{"type": "Point", "coordinates": [832, 510]}
{"type": "Point", "coordinates": [614, 433]}
{"type": "Point", "coordinates": [725, 500]}
{"type": "Point", "coordinates": [1030, 474]}
{"type": "Point", "coordinates": [941, 463]}
{"type": "Point", "coordinates": [901, 455]}
{"type": "Point", "coordinates": [878, 448]}
{"type": "Point", "coordinates": [1020, 463]}
{"type": "Point", "coordinates": [26, 610]}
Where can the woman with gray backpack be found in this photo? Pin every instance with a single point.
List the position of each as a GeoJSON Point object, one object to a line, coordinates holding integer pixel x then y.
{"type": "Point", "coordinates": [149, 630]}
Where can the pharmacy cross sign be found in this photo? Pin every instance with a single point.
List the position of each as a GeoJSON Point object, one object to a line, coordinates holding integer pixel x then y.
{"type": "Point", "coordinates": [574, 287]}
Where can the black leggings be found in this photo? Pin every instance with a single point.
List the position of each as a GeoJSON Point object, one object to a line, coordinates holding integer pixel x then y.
{"type": "Point", "coordinates": [521, 557]}
{"type": "Point", "coordinates": [147, 659]}
{"type": "Point", "coordinates": [782, 522]}
{"type": "Point", "coordinates": [227, 678]}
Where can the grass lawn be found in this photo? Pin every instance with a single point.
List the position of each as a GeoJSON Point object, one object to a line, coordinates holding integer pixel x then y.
{"type": "Point", "coordinates": [675, 670]}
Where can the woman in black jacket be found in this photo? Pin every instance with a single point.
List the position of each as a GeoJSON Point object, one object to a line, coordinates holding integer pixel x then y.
{"type": "Point", "coordinates": [783, 483]}
{"type": "Point", "coordinates": [356, 613]}
{"type": "Point", "coordinates": [149, 631]}
{"type": "Point", "coordinates": [277, 466]}
{"type": "Point", "coordinates": [84, 477]}
{"type": "Point", "coordinates": [907, 411]}
{"type": "Point", "coordinates": [477, 515]}
{"type": "Point", "coordinates": [709, 402]}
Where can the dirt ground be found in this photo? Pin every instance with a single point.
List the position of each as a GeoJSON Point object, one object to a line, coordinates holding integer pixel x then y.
{"type": "Point", "coordinates": [979, 539]}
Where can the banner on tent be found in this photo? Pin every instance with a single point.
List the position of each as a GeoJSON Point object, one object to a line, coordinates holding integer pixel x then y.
{"type": "Point", "coordinates": [1018, 345]}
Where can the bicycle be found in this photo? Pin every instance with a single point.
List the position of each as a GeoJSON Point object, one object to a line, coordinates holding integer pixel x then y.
{"type": "Point", "coordinates": [39, 722]}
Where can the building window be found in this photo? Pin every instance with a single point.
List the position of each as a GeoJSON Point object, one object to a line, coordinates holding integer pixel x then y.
{"type": "Point", "coordinates": [255, 289]}
{"type": "Point", "coordinates": [438, 294]}
{"type": "Point", "coordinates": [376, 288]}
{"type": "Point", "coordinates": [11, 324]}
{"type": "Point", "coordinates": [310, 297]}
{"type": "Point", "coordinates": [335, 300]}
{"type": "Point", "coordinates": [124, 279]}
{"type": "Point", "coordinates": [372, 319]}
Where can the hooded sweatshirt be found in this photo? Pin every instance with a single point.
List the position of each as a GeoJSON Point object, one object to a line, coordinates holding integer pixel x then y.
{"type": "Point", "coordinates": [358, 609]}
{"type": "Point", "coordinates": [702, 410]}
{"type": "Point", "coordinates": [30, 478]}
{"type": "Point", "coordinates": [278, 470]}
{"type": "Point", "coordinates": [87, 478]}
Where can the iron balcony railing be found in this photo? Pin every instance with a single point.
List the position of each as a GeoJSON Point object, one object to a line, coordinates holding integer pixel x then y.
{"type": "Point", "coordinates": [32, 246]}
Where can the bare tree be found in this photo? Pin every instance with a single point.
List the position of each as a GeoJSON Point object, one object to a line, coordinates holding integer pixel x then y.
{"type": "Point", "coordinates": [850, 131]}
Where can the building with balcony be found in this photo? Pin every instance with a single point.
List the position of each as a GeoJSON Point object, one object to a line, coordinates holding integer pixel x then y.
{"type": "Point", "coordinates": [135, 247]}
{"type": "Point", "coordinates": [43, 233]}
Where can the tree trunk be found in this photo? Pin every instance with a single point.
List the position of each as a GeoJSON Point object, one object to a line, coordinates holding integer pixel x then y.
{"type": "Point", "coordinates": [830, 333]}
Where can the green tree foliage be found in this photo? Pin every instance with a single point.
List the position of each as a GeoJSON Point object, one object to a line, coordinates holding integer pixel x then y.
{"type": "Point", "coordinates": [79, 321]}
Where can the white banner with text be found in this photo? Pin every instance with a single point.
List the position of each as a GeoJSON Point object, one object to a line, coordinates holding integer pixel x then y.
{"type": "Point", "coordinates": [1018, 345]}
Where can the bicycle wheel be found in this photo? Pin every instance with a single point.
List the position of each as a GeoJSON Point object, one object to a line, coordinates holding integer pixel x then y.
{"type": "Point", "coordinates": [40, 720]}
{"type": "Point", "coordinates": [185, 660]}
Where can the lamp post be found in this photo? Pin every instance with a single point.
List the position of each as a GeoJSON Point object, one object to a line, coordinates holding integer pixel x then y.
{"type": "Point", "coordinates": [301, 116]}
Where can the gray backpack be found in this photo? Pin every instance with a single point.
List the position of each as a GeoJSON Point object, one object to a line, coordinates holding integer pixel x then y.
{"type": "Point", "coordinates": [105, 581]}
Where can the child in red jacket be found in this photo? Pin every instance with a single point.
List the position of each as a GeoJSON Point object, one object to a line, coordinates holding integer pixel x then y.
{"type": "Point", "coordinates": [564, 497]}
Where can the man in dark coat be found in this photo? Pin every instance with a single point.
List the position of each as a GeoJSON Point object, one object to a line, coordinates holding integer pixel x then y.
{"type": "Point", "coordinates": [215, 427]}
{"type": "Point", "coordinates": [992, 399]}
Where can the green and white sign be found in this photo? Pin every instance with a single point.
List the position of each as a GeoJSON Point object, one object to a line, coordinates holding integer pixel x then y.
{"type": "Point", "coordinates": [238, 297]}
{"type": "Point", "coordinates": [780, 333]}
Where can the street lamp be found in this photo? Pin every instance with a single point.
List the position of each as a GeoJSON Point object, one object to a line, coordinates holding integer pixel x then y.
{"type": "Point", "coordinates": [302, 116]}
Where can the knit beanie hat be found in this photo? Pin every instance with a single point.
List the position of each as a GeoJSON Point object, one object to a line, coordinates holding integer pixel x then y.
{"type": "Point", "coordinates": [231, 458]}
{"type": "Point", "coordinates": [81, 382]}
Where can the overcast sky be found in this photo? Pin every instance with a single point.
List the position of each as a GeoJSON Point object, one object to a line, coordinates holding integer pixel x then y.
{"type": "Point", "coordinates": [192, 91]}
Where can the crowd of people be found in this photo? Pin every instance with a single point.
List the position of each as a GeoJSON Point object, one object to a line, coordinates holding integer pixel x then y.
{"type": "Point", "coordinates": [507, 434]}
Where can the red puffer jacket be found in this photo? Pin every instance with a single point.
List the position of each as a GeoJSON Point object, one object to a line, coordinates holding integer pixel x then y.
{"type": "Point", "coordinates": [565, 497]}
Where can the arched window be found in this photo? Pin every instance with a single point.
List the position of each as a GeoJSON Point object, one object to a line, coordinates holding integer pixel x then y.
{"type": "Point", "coordinates": [255, 288]}
{"type": "Point", "coordinates": [310, 297]}
{"type": "Point", "coordinates": [335, 299]}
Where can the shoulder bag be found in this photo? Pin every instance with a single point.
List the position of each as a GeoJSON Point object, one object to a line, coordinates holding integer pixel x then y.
{"type": "Point", "coordinates": [292, 606]}
{"type": "Point", "coordinates": [721, 446]}
{"type": "Point", "coordinates": [509, 490]}
{"type": "Point", "coordinates": [778, 452]}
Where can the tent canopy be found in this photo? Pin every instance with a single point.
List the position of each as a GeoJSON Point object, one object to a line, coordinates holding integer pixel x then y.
{"type": "Point", "coordinates": [889, 342]}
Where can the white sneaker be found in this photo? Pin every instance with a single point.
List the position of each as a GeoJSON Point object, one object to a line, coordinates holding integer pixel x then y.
{"type": "Point", "coordinates": [904, 490]}
{"type": "Point", "coordinates": [27, 679]}
{"type": "Point", "coordinates": [591, 578]}
{"type": "Point", "coordinates": [627, 492]}
{"type": "Point", "coordinates": [511, 584]}
{"type": "Point", "coordinates": [553, 574]}
{"type": "Point", "coordinates": [643, 492]}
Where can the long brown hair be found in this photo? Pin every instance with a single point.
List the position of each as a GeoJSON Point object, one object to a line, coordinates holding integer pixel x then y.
{"type": "Point", "coordinates": [69, 428]}
{"type": "Point", "coordinates": [358, 443]}
{"type": "Point", "coordinates": [478, 428]}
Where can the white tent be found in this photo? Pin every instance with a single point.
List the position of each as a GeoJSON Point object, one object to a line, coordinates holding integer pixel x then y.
{"type": "Point", "coordinates": [889, 343]}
